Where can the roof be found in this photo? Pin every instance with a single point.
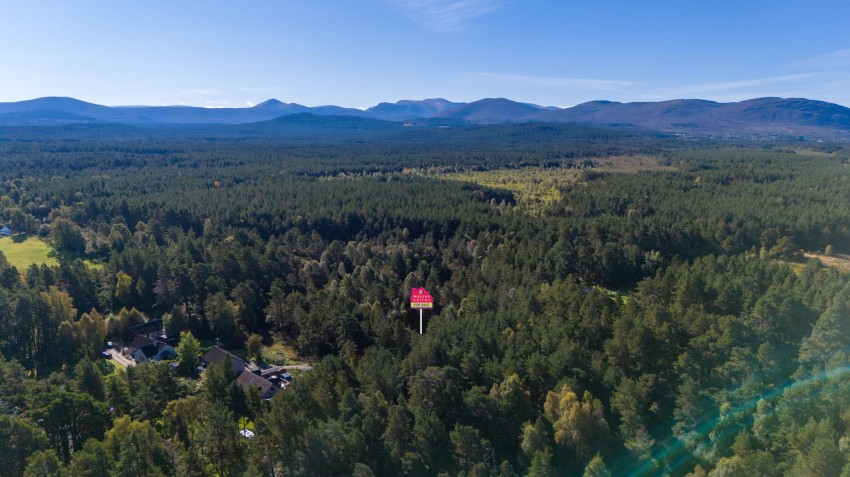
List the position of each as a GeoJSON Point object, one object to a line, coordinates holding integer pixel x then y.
{"type": "Point", "coordinates": [148, 346]}
{"type": "Point", "coordinates": [140, 342]}
{"type": "Point", "coordinates": [153, 326]}
{"type": "Point", "coordinates": [250, 379]}
{"type": "Point", "coordinates": [271, 371]}
{"type": "Point", "coordinates": [149, 350]}
{"type": "Point", "coordinates": [5, 229]}
{"type": "Point", "coordinates": [160, 345]}
{"type": "Point", "coordinates": [217, 355]}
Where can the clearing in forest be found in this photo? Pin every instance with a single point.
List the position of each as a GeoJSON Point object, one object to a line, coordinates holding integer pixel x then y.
{"type": "Point", "coordinates": [281, 353]}
{"type": "Point", "coordinates": [533, 187]}
{"type": "Point", "coordinates": [837, 261]}
{"type": "Point", "coordinates": [537, 187]}
{"type": "Point", "coordinates": [33, 250]}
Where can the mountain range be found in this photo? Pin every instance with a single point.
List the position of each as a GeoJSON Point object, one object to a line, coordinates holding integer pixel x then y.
{"type": "Point", "coordinates": [760, 116]}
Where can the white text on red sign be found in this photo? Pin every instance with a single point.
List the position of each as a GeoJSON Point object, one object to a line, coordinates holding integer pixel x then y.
{"type": "Point", "coordinates": [420, 298]}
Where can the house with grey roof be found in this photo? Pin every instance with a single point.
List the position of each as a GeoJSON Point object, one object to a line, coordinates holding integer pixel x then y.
{"type": "Point", "coordinates": [143, 348]}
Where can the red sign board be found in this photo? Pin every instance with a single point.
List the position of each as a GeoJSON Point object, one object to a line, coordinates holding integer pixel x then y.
{"type": "Point", "coordinates": [420, 298]}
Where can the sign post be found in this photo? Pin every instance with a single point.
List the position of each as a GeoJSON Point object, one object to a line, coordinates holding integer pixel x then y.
{"type": "Point", "coordinates": [421, 299]}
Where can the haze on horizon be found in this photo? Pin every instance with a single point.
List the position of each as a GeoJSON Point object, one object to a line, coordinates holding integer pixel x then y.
{"type": "Point", "coordinates": [361, 52]}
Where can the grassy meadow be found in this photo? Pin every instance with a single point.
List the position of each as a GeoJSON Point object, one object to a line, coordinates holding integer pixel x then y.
{"type": "Point", "coordinates": [25, 253]}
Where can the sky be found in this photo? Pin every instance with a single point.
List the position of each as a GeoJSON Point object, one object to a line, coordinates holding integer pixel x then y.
{"type": "Point", "coordinates": [357, 53]}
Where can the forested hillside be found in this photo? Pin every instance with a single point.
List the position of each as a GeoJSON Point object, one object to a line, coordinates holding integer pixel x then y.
{"type": "Point", "coordinates": [655, 319]}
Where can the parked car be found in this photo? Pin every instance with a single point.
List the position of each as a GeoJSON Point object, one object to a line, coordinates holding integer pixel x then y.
{"type": "Point", "coordinates": [106, 355]}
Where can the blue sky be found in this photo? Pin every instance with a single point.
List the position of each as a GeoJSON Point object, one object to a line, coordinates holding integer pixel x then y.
{"type": "Point", "coordinates": [357, 53]}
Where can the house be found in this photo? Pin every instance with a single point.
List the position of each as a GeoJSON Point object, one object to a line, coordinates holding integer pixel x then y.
{"type": "Point", "coordinates": [277, 375]}
{"type": "Point", "coordinates": [152, 329]}
{"type": "Point", "coordinates": [217, 355]}
{"type": "Point", "coordinates": [267, 388]}
{"type": "Point", "coordinates": [5, 231]}
{"type": "Point", "coordinates": [143, 348]}
{"type": "Point", "coordinates": [268, 380]}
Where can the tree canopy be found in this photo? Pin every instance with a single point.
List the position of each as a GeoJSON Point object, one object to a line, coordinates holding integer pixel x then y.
{"type": "Point", "coordinates": [663, 311]}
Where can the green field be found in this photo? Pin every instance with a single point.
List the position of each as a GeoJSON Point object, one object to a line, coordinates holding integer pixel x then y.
{"type": "Point", "coordinates": [23, 254]}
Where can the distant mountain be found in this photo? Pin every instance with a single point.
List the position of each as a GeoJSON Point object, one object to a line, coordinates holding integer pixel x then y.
{"type": "Point", "coordinates": [761, 116]}
{"type": "Point", "coordinates": [804, 112]}
{"type": "Point", "coordinates": [43, 118]}
{"type": "Point", "coordinates": [756, 116]}
{"type": "Point", "coordinates": [280, 109]}
{"type": "Point", "coordinates": [609, 112]}
{"type": "Point", "coordinates": [44, 111]}
{"type": "Point", "coordinates": [57, 104]}
{"type": "Point", "coordinates": [493, 111]}
{"type": "Point", "coordinates": [279, 106]}
{"type": "Point", "coordinates": [407, 109]}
